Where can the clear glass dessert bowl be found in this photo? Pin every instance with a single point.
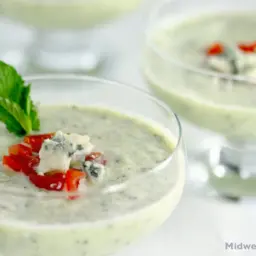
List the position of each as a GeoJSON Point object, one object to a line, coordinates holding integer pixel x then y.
{"type": "Point", "coordinates": [201, 61]}
{"type": "Point", "coordinates": [104, 218]}
{"type": "Point", "coordinates": [66, 31]}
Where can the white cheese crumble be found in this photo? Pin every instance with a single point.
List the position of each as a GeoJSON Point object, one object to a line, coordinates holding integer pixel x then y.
{"type": "Point", "coordinates": [54, 156]}
{"type": "Point", "coordinates": [95, 171]}
{"type": "Point", "coordinates": [249, 59]}
{"type": "Point", "coordinates": [82, 146]}
{"type": "Point", "coordinates": [63, 151]}
{"type": "Point", "coordinates": [222, 64]}
{"type": "Point", "coordinates": [251, 72]}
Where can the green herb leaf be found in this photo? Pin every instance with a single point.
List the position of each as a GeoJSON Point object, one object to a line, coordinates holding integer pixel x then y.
{"type": "Point", "coordinates": [34, 118]}
{"type": "Point", "coordinates": [24, 100]}
{"type": "Point", "coordinates": [17, 110]}
{"type": "Point", "coordinates": [230, 54]}
{"type": "Point", "coordinates": [11, 83]}
{"type": "Point", "coordinates": [30, 109]}
{"type": "Point", "coordinates": [14, 117]}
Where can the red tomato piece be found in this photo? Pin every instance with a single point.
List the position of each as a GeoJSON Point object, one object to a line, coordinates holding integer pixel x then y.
{"type": "Point", "coordinates": [73, 177]}
{"type": "Point", "coordinates": [36, 141]}
{"type": "Point", "coordinates": [20, 149]}
{"type": "Point", "coordinates": [96, 157]}
{"type": "Point", "coordinates": [215, 49]}
{"type": "Point", "coordinates": [55, 182]}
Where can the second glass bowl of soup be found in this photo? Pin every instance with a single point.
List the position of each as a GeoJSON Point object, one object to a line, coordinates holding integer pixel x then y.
{"type": "Point", "coordinates": [201, 61]}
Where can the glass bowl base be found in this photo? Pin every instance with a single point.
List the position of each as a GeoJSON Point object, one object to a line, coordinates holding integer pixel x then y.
{"type": "Point", "coordinates": [84, 62]}
{"type": "Point", "coordinates": [66, 51]}
{"type": "Point", "coordinates": [225, 169]}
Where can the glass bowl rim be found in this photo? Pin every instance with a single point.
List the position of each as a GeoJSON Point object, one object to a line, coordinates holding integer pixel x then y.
{"type": "Point", "coordinates": [175, 61]}
{"type": "Point", "coordinates": [115, 187]}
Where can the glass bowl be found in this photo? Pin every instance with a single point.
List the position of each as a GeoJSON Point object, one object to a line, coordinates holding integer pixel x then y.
{"type": "Point", "coordinates": [219, 100]}
{"type": "Point", "coordinates": [115, 214]}
{"type": "Point", "coordinates": [66, 31]}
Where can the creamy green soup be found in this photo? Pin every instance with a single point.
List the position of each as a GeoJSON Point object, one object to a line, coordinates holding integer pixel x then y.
{"type": "Point", "coordinates": [66, 14]}
{"type": "Point", "coordinates": [100, 221]}
{"type": "Point", "coordinates": [176, 70]}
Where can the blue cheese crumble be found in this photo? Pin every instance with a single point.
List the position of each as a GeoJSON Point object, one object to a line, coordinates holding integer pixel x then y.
{"type": "Point", "coordinates": [95, 171]}
{"type": "Point", "coordinates": [63, 150]}
{"type": "Point", "coordinates": [82, 146]}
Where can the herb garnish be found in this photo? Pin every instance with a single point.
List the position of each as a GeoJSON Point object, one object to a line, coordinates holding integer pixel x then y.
{"type": "Point", "coordinates": [17, 110]}
{"type": "Point", "coordinates": [230, 54]}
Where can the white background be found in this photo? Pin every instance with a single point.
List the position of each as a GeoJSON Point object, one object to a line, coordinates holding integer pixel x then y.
{"type": "Point", "coordinates": [199, 226]}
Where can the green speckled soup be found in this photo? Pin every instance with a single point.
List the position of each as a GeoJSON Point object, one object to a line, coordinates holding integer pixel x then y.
{"type": "Point", "coordinates": [97, 223]}
{"type": "Point", "coordinates": [54, 14]}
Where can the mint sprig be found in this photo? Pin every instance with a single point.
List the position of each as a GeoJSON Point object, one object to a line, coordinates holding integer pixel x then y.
{"type": "Point", "coordinates": [17, 110]}
{"type": "Point", "coordinates": [14, 117]}
{"type": "Point", "coordinates": [29, 108]}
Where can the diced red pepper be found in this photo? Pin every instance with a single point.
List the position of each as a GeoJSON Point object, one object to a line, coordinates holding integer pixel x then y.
{"type": "Point", "coordinates": [73, 177]}
{"type": "Point", "coordinates": [22, 159]}
{"type": "Point", "coordinates": [247, 48]}
{"type": "Point", "coordinates": [20, 149]}
{"type": "Point", "coordinates": [12, 163]}
{"type": "Point", "coordinates": [53, 172]}
{"type": "Point", "coordinates": [33, 161]}
{"type": "Point", "coordinates": [30, 164]}
{"type": "Point", "coordinates": [92, 156]}
{"type": "Point", "coordinates": [36, 141]}
{"type": "Point", "coordinates": [96, 157]}
{"type": "Point", "coordinates": [22, 164]}
{"type": "Point", "coordinates": [215, 49]}
{"type": "Point", "coordinates": [55, 182]}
